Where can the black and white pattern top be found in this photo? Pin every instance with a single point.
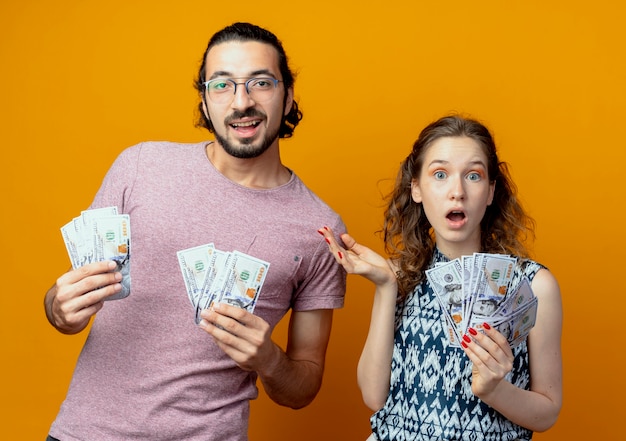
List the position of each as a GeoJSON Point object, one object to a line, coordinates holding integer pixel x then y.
{"type": "Point", "coordinates": [431, 397]}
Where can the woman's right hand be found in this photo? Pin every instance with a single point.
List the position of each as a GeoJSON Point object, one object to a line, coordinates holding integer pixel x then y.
{"type": "Point", "coordinates": [359, 259]}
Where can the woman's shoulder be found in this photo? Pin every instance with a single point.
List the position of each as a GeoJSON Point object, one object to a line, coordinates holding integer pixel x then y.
{"type": "Point", "coordinates": [545, 283]}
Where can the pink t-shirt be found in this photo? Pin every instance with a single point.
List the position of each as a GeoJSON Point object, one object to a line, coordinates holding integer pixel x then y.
{"type": "Point", "coordinates": [147, 372]}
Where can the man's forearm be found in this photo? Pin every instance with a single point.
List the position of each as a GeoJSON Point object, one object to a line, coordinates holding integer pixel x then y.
{"type": "Point", "coordinates": [292, 383]}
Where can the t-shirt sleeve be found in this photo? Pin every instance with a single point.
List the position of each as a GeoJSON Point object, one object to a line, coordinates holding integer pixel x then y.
{"type": "Point", "coordinates": [325, 283]}
{"type": "Point", "coordinates": [117, 185]}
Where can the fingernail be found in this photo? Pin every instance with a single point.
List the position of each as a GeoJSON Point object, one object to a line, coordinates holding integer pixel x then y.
{"type": "Point", "coordinates": [320, 231]}
{"type": "Point", "coordinates": [486, 326]}
{"type": "Point", "coordinates": [326, 228]}
{"type": "Point", "coordinates": [464, 344]}
{"type": "Point", "coordinates": [327, 240]}
{"type": "Point", "coordinates": [466, 338]}
{"type": "Point", "coordinates": [340, 254]}
{"type": "Point", "coordinates": [472, 331]}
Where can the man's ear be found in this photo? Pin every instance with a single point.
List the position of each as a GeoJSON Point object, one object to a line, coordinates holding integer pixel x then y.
{"type": "Point", "coordinates": [205, 110]}
{"type": "Point", "coordinates": [288, 101]}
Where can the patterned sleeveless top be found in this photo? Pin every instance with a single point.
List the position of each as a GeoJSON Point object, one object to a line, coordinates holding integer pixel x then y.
{"type": "Point", "coordinates": [430, 397]}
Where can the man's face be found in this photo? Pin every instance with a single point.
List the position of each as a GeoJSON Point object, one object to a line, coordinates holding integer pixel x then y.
{"type": "Point", "coordinates": [245, 128]}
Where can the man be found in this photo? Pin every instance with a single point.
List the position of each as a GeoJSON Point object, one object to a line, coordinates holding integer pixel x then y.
{"type": "Point", "coordinates": [147, 371]}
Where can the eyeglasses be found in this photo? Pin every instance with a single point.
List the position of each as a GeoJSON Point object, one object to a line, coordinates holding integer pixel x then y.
{"type": "Point", "coordinates": [222, 90]}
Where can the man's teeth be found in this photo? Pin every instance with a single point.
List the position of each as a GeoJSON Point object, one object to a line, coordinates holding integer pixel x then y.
{"type": "Point", "coordinates": [245, 124]}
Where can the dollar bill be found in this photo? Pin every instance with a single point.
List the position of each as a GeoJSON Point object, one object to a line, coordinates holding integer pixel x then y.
{"type": "Point", "coordinates": [213, 275]}
{"type": "Point", "coordinates": [487, 296]}
{"type": "Point", "coordinates": [243, 281]}
{"type": "Point", "coordinates": [100, 234]}
{"type": "Point", "coordinates": [523, 321]}
{"type": "Point", "coordinates": [195, 263]}
{"type": "Point", "coordinates": [73, 243]}
{"type": "Point", "coordinates": [211, 288]}
{"type": "Point", "coordinates": [111, 241]}
{"type": "Point", "coordinates": [447, 283]}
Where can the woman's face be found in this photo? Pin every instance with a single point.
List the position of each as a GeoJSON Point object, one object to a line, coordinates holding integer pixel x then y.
{"type": "Point", "coordinates": [454, 189]}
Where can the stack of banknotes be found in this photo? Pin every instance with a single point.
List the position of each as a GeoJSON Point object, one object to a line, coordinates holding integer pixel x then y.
{"type": "Point", "coordinates": [484, 288]}
{"type": "Point", "coordinates": [100, 234]}
{"type": "Point", "coordinates": [213, 275]}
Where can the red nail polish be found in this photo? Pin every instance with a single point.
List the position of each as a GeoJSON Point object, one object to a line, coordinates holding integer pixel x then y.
{"type": "Point", "coordinates": [326, 228]}
{"type": "Point", "coordinates": [321, 232]}
{"type": "Point", "coordinates": [464, 344]}
{"type": "Point", "coordinates": [339, 254]}
{"type": "Point", "coordinates": [472, 331]}
{"type": "Point", "coordinates": [486, 326]}
{"type": "Point", "coordinates": [327, 240]}
{"type": "Point", "coordinates": [466, 338]}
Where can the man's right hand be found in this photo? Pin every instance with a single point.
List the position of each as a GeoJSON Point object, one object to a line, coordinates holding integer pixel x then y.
{"type": "Point", "coordinates": [78, 294]}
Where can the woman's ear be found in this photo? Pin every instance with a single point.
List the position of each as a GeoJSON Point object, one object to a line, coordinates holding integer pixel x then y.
{"type": "Point", "coordinates": [416, 193]}
{"type": "Point", "coordinates": [492, 192]}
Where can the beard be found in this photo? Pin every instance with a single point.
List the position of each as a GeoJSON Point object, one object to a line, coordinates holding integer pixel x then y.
{"type": "Point", "coordinates": [247, 148]}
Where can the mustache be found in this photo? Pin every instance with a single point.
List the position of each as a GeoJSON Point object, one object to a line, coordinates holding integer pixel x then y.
{"type": "Point", "coordinates": [248, 113]}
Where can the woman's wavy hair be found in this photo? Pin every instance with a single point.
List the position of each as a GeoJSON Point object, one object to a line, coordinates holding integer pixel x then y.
{"type": "Point", "coordinates": [408, 236]}
{"type": "Point", "coordinates": [249, 32]}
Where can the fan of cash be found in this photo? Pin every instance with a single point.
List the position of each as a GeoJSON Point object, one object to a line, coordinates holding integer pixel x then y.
{"type": "Point", "coordinates": [100, 234]}
{"type": "Point", "coordinates": [213, 275]}
{"type": "Point", "coordinates": [484, 288]}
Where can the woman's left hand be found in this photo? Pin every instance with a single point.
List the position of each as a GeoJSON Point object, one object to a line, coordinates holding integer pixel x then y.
{"type": "Point", "coordinates": [491, 356]}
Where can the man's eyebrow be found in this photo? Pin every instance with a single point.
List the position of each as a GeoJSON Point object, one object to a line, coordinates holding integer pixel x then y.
{"type": "Point", "coordinates": [254, 73]}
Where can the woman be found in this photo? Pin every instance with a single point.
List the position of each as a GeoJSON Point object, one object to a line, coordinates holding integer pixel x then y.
{"type": "Point", "coordinates": [452, 198]}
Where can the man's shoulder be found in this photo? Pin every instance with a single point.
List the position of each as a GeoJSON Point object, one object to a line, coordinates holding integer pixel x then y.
{"type": "Point", "coordinates": [168, 146]}
{"type": "Point", "coordinates": [313, 205]}
{"type": "Point", "coordinates": [161, 151]}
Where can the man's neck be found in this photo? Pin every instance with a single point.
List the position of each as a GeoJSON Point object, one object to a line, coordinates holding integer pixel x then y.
{"type": "Point", "coordinates": [263, 172]}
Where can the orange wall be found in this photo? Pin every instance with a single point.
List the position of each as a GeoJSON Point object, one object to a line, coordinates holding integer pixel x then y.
{"type": "Point", "coordinates": [81, 81]}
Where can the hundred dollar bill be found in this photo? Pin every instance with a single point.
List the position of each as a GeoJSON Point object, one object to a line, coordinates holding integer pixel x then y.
{"type": "Point", "coordinates": [213, 281]}
{"type": "Point", "coordinates": [84, 246]}
{"type": "Point", "coordinates": [523, 322]}
{"type": "Point", "coordinates": [87, 216]}
{"type": "Point", "coordinates": [73, 242]}
{"type": "Point", "coordinates": [213, 275]}
{"type": "Point", "coordinates": [195, 263]}
{"type": "Point", "coordinates": [468, 263]}
{"type": "Point", "coordinates": [516, 316]}
{"type": "Point", "coordinates": [519, 296]}
{"type": "Point", "coordinates": [493, 275]}
{"type": "Point", "coordinates": [447, 282]}
{"type": "Point", "coordinates": [78, 237]}
{"type": "Point", "coordinates": [84, 241]}
{"type": "Point", "coordinates": [111, 241]}
{"type": "Point", "coordinates": [243, 281]}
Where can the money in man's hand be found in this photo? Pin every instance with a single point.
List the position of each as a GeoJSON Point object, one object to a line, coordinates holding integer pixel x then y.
{"type": "Point", "coordinates": [213, 275]}
{"type": "Point", "coordinates": [97, 235]}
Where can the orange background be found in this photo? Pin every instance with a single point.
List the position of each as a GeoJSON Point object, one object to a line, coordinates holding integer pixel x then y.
{"type": "Point", "coordinates": [81, 80]}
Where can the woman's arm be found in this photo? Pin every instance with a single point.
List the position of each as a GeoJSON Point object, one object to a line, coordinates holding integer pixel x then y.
{"type": "Point", "coordinates": [536, 409]}
{"type": "Point", "coordinates": [374, 369]}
